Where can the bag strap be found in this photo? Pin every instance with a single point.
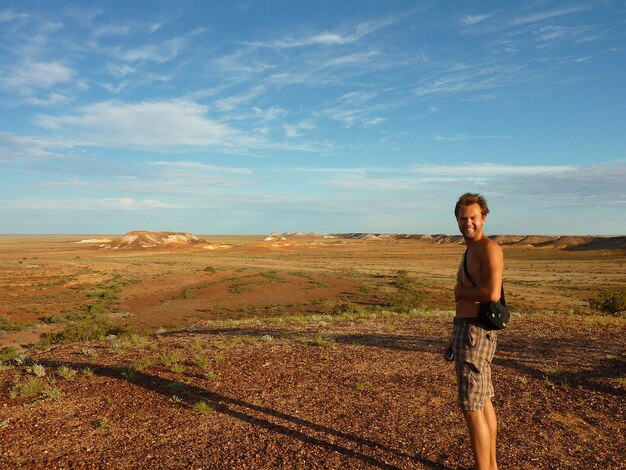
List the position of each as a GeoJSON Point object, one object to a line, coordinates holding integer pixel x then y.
{"type": "Point", "coordinates": [467, 274]}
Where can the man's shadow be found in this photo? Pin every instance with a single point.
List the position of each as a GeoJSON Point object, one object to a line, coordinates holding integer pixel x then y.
{"type": "Point", "coordinates": [190, 395]}
{"type": "Point", "coordinates": [511, 354]}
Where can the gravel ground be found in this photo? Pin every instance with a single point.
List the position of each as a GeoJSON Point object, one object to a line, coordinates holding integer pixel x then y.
{"type": "Point", "coordinates": [318, 393]}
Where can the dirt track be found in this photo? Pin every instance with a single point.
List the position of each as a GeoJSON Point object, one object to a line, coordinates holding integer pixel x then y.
{"type": "Point", "coordinates": [367, 393]}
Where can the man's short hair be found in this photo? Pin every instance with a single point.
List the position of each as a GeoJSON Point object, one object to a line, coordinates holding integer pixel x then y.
{"type": "Point", "coordinates": [468, 199]}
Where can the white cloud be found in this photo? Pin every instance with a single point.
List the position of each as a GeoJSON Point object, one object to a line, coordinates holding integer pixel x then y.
{"type": "Point", "coordinates": [356, 182]}
{"type": "Point", "coordinates": [547, 15]}
{"type": "Point", "coordinates": [162, 52]}
{"type": "Point", "coordinates": [488, 170]}
{"type": "Point", "coordinates": [475, 19]}
{"type": "Point", "coordinates": [420, 176]}
{"type": "Point", "coordinates": [584, 185]}
{"type": "Point", "coordinates": [125, 29]}
{"type": "Point", "coordinates": [202, 166]}
{"type": "Point", "coordinates": [126, 203]}
{"type": "Point", "coordinates": [294, 130]}
{"type": "Point", "coordinates": [230, 103]}
{"type": "Point", "coordinates": [114, 89]}
{"type": "Point", "coordinates": [120, 203]}
{"type": "Point", "coordinates": [353, 59]}
{"type": "Point", "coordinates": [8, 15]}
{"type": "Point", "coordinates": [29, 76]}
{"type": "Point", "coordinates": [351, 114]}
{"type": "Point", "coordinates": [153, 125]}
{"type": "Point", "coordinates": [242, 61]}
{"type": "Point", "coordinates": [120, 70]}
{"type": "Point", "coordinates": [270, 114]}
{"type": "Point", "coordinates": [73, 183]}
{"type": "Point", "coordinates": [14, 148]}
{"type": "Point", "coordinates": [329, 38]}
{"type": "Point", "coordinates": [373, 122]}
{"type": "Point", "coordinates": [465, 137]}
{"type": "Point", "coordinates": [52, 99]}
{"type": "Point", "coordinates": [471, 79]}
{"type": "Point", "coordinates": [115, 29]}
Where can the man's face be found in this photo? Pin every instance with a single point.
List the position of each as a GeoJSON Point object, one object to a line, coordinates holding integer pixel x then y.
{"type": "Point", "coordinates": [470, 221]}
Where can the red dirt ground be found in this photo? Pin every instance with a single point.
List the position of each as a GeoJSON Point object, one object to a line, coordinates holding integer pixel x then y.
{"type": "Point", "coordinates": [159, 301]}
{"type": "Point", "coordinates": [371, 393]}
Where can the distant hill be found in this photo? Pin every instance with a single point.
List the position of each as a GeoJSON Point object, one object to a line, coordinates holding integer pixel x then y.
{"type": "Point", "coordinates": [139, 239]}
{"type": "Point", "coordinates": [571, 243]}
{"type": "Point", "coordinates": [275, 236]}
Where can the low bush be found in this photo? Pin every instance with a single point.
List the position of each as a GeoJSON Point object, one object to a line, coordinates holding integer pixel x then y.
{"type": "Point", "coordinates": [35, 387]}
{"type": "Point", "coordinates": [142, 363]}
{"type": "Point", "coordinates": [609, 301]}
{"type": "Point", "coordinates": [322, 341]}
{"type": "Point", "coordinates": [89, 322]}
{"type": "Point", "coordinates": [9, 354]}
{"type": "Point", "coordinates": [406, 295]}
{"type": "Point", "coordinates": [37, 370]}
{"type": "Point", "coordinates": [272, 276]}
{"type": "Point", "coordinates": [188, 293]}
{"type": "Point", "coordinates": [66, 372]}
{"type": "Point", "coordinates": [7, 325]}
{"type": "Point", "coordinates": [83, 330]}
{"type": "Point", "coordinates": [177, 368]}
{"type": "Point", "coordinates": [203, 407]}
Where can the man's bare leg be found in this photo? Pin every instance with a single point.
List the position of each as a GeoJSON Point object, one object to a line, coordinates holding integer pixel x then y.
{"type": "Point", "coordinates": [480, 437]}
{"type": "Point", "coordinates": [490, 415]}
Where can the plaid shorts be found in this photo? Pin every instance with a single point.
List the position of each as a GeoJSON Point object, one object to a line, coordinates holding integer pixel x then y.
{"type": "Point", "coordinates": [473, 348]}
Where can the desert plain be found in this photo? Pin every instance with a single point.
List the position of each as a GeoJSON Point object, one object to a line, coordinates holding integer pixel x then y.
{"type": "Point", "coordinates": [298, 351]}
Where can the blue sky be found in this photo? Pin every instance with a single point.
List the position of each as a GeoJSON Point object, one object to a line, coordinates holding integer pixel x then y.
{"type": "Point", "coordinates": [251, 117]}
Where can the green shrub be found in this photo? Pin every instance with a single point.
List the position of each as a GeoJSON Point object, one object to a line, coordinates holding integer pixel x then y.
{"type": "Point", "coordinates": [171, 359]}
{"type": "Point", "coordinates": [177, 368]}
{"type": "Point", "coordinates": [406, 295]}
{"type": "Point", "coordinates": [101, 424]}
{"type": "Point", "coordinates": [82, 330]}
{"type": "Point", "coordinates": [188, 293]}
{"type": "Point", "coordinates": [52, 393]}
{"type": "Point", "coordinates": [322, 341]}
{"type": "Point", "coordinates": [89, 322]}
{"type": "Point", "coordinates": [7, 325]}
{"type": "Point", "coordinates": [9, 354]}
{"type": "Point", "coordinates": [37, 370]}
{"type": "Point", "coordinates": [210, 376]}
{"type": "Point", "coordinates": [31, 388]}
{"type": "Point", "coordinates": [202, 362]}
{"type": "Point", "coordinates": [176, 399]}
{"type": "Point", "coordinates": [609, 301]}
{"type": "Point", "coordinates": [272, 276]}
{"type": "Point", "coordinates": [142, 363]}
{"type": "Point", "coordinates": [235, 289]}
{"type": "Point", "coordinates": [130, 374]}
{"type": "Point", "coordinates": [203, 407]}
{"type": "Point", "coordinates": [348, 308]}
{"type": "Point", "coordinates": [66, 372]}
{"type": "Point", "coordinates": [132, 340]}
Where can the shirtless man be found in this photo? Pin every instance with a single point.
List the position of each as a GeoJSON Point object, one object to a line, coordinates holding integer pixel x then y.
{"type": "Point", "coordinates": [472, 345]}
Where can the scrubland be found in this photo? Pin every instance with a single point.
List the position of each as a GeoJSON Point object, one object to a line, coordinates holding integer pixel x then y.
{"type": "Point", "coordinates": [321, 355]}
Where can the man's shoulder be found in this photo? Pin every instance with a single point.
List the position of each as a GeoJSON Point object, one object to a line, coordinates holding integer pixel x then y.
{"type": "Point", "coordinates": [488, 247]}
{"type": "Point", "coordinates": [493, 251]}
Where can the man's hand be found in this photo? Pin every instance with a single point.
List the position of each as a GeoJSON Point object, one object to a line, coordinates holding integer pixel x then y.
{"type": "Point", "coordinates": [457, 287]}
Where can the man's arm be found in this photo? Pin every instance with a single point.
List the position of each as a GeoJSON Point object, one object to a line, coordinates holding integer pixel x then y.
{"type": "Point", "coordinates": [488, 288]}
